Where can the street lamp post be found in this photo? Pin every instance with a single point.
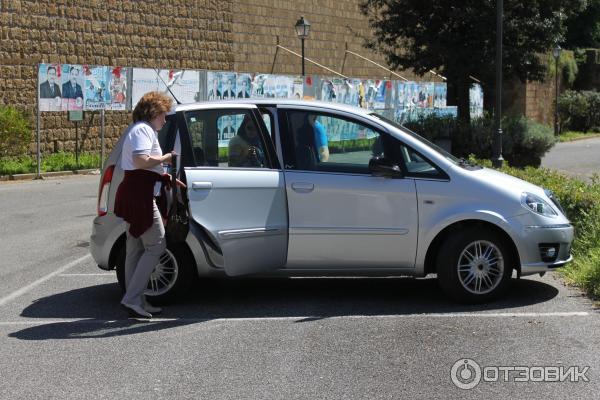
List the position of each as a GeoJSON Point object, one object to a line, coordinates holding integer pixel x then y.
{"type": "Point", "coordinates": [302, 30]}
{"type": "Point", "coordinates": [556, 53]}
{"type": "Point", "coordinates": [497, 159]}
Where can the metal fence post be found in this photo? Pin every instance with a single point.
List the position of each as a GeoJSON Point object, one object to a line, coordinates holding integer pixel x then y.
{"type": "Point", "coordinates": [101, 138]}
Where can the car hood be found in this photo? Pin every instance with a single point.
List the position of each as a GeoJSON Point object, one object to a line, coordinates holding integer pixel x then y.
{"type": "Point", "coordinates": [506, 182]}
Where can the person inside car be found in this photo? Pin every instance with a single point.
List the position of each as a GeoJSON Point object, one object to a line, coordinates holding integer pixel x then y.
{"type": "Point", "coordinates": [245, 149]}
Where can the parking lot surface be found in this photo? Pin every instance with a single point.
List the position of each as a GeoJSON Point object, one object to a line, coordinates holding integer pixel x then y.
{"type": "Point", "coordinates": [62, 334]}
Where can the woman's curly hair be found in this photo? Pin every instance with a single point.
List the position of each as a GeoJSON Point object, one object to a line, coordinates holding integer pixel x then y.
{"type": "Point", "coordinates": [151, 105]}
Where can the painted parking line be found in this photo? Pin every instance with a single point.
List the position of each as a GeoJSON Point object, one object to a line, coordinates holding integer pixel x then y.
{"type": "Point", "coordinates": [309, 318]}
{"type": "Point", "coordinates": [25, 289]}
{"type": "Point", "coordinates": [105, 274]}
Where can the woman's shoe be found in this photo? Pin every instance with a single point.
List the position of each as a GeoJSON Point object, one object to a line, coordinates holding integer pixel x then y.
{"type": "Point", "coordinates": [151, 309]}
{"type": "Point", "coordinates": [136, 311]}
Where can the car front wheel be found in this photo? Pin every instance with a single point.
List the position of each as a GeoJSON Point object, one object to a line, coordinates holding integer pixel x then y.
{"type": "Point", "coordinates": [475, 266]}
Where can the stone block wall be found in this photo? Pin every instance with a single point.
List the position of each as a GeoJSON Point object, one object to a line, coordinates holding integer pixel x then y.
{"type": "Point", "coordinates": [191, 34]}
{"type": "Point", "coordinates": [238, 35]}
{"type": "Point", "coordinates": [334, 23]}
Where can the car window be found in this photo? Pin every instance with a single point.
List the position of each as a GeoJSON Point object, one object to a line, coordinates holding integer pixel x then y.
{"type": "Point", "coordinates": [226, 138]}
{"type": "Point", "coordinates": [325, 142]}
{"type": "Point", "coordinates": [416, 164]}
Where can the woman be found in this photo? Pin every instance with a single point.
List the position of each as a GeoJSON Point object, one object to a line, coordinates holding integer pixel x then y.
{"type": "Point", "coordinates": [245, 149]}
{"type": "Point", "coordinates": [136, 199]}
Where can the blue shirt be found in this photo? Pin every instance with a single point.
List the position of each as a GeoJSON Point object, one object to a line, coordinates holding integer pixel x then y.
{"type": "Point", "coordinates": [320, 136]}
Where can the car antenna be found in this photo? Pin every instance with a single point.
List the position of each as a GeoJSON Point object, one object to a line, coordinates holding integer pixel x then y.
{"type": "Point", "coordinates": [167, 86]}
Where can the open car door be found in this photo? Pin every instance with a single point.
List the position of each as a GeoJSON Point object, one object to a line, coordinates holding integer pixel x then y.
{"type": "Point", "coordinates": [236, 189]}
{"type": "Point", "coordinates": [245, 213]}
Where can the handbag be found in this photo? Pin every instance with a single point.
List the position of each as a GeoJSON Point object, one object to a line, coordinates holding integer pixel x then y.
{"type": "Point", "coordinates": [178, 223]}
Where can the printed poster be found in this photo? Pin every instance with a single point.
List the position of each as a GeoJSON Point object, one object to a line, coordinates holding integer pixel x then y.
{"type": "Point", "coordinates": [244, 86]}
{"type": "Point", "coordinates": [97, 80]}
{"type": "Point", "coordinates": [228, 85]}
{"type": "Point", "coordinates": [440, 94]}
{"type": "Point", "coordinates": [49, 91]}
{"type": "Point", "coordinates": [73, 82]}
{"type": "Point", "coordinates": [476, 101]}
{"type": "Point", "coordinates": [185, 85]}
{"type": "Point", "coordinates": [118, 88]}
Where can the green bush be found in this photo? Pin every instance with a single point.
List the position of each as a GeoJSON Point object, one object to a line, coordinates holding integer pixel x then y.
{"type": "Point", "coordinates": [581, 202]}
{"type": "Point", "coordinates": [524, 142]}
{"type": "Point", "coordinates": [15, 133]}
{"type": "Point", "coordinates": [579, 110]}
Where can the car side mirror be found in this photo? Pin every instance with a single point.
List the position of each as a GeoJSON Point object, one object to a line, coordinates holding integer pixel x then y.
{"type": "Point", "coordinates": [380, 166]}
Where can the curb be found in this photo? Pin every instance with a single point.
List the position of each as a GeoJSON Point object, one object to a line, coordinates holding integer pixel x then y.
{"type": "Point", "coordinates": [25, 177]}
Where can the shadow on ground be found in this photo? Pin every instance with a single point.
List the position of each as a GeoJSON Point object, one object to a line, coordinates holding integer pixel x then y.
{"type": "Point", "coordinates": [308, 299]}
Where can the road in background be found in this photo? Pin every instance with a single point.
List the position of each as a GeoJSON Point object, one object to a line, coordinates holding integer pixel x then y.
{"type": "Point", "coordinates": [580, 158]}
{"type": "Point", "coordinates": [62, 334]}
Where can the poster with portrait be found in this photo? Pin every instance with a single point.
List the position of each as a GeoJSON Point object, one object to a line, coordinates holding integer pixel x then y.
{"type": "Point", "coordinates": [118, 89]}
{"type": "Point", "coordinates": [213, 86]}
{"type": "Point", "coordinates": [476, 100]}
{"type": "Point", "coordinates": [97, 80]}
{"type": "Point", "coordinates": [49, 90]}
{"type": "Point", "coordinates": [228, 126]}
{"type": "Point", "coordinates": [440, 93]}
{"type": "Point", "coordinates": [243, 86]}
{"type": "Point", "coordinates": [72, 81]}
{"type": "Point", "coordinates": [228, 85]}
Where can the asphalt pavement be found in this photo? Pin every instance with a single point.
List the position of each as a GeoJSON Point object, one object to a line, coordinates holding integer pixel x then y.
{"type": "Point", "coordinates": [579, 158]}
{"type": "Point", "coordinates": [62, 334]}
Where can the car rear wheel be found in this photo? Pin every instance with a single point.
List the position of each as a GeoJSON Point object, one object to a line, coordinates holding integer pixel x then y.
{"type": "Point", "coordinates": [475, 266]}
{"type": "Point", "coordinates": [172, 277]}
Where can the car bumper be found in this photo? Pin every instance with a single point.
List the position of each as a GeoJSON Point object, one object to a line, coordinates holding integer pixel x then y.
{"type": "Point", "coordinates": [106, 230]}
{"type": "Point", "coordinates": [534, 238]}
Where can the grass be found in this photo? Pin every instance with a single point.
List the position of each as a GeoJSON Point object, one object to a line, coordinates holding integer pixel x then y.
{"type": "Point", "coordinates": [61, 161]}
{"type": "Point", "coordinates": [575, 135]}
{"type": "Point", "coordinates": [581, 202]}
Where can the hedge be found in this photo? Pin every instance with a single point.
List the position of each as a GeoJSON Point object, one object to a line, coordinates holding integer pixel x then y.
{"type": "Point", "coordinates": [524, 142]}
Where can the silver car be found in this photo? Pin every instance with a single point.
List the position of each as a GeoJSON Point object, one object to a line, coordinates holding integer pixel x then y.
{"type": "Point", "coordinates": [292, 188]}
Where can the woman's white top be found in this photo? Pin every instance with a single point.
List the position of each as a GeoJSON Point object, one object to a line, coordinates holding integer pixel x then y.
{"type": "Point", "coordinates": [140, 138]}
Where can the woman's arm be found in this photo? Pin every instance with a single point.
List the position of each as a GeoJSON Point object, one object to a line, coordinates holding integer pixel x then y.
{"type": "Point", "coordinates": [144, 161]}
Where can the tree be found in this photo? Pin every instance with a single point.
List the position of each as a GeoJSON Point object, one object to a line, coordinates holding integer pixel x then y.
{"type": "Point", "coordinates": [458, 38]}
{"type": "Point", "coordinates": [583, 29]}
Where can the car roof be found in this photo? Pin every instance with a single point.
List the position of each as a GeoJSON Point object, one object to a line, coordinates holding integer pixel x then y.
{"type": "Point", "coordinates": [249, 103]}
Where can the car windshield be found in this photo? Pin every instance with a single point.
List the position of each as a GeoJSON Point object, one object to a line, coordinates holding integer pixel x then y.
{"type": "Point", "coordinates": [421, 139]}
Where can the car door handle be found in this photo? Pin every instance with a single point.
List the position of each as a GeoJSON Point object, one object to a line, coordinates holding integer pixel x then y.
{"type": "Point", "coordinates": [303, 187]}
{"type": "Point", "coordinates": [201, 185]}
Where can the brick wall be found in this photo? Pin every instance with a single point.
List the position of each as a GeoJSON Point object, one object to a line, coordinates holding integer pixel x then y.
{"type": "Point", "coordinates": [257, 23]}
{"type": "Point", "coordinates": [174, 34]}
{"type": "Point", "coordinates": [192, 34]}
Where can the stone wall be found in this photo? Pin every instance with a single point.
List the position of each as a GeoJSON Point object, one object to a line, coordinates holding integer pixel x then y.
{"type": "Point", "coordinates": [190, 34]}
{"type": "Point", "coordinates": [181, 34]}
{"type": "Point", "coordinates": [334, 24]}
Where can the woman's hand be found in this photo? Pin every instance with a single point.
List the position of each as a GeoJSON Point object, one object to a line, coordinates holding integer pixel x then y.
{"type": "Point", "coordinates": [168, 158]}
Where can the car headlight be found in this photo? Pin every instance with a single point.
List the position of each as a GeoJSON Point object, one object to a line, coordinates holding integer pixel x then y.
{"type": "Point", "coordinates": [537, 205]}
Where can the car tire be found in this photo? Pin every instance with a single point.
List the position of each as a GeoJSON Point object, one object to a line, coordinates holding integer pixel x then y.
{"type": "Point", "coordinates": [475, 265]}
{"type": "Point", "coordinates": [176, 270]}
